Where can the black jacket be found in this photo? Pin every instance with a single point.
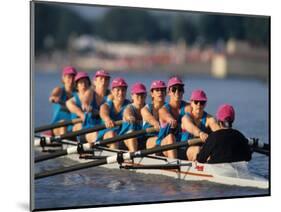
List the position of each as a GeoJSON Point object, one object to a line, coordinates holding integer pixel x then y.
{"type": "Point", "coordinates": [225, 145]}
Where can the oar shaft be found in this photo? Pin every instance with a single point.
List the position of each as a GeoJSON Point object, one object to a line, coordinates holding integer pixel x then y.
{"type": "Point", "coordinates": [82, 132]}
{"type": "Point", "coordinates": [70, 169]}
{"type": "Point", "coordinates": [50, 156]}
{"type": "Point", "coordinates": [57, 125]}
{"type": "Point", "coordinates": [124, 137]}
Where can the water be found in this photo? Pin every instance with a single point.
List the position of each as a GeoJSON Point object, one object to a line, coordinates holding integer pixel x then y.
{"type": "Point", "coordinates": [100, 186]}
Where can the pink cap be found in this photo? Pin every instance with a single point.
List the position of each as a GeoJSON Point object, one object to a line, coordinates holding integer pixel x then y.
{"type": "Point", "coordinates": [69, 70]}
{"type": "Point", "coordinates": [174, 81]}
{"type": "Point", "coordinates": [138, 88]}
{"type": "Point", "coordinates": [198, 95]}
{"type": "Point", "coordinates": [101, 73]}
{"type": "Point", "coordinates": [81, 75]}
{"type": "Point", "coordinates": [157, 84]}
{"type": "Point", "coordinates": [226, 113]}
{"type": "Point", "coordinates": [118, 82]}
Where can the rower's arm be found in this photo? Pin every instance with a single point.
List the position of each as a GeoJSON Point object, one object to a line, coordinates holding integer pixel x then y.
{"type": "Point", "coordinates": [86, 100]}
{"type": "Point", "coordinates": [212, 123]}
{"type": "Point", "coordinates": [164, 115]}
{"type": "Point", "coordinates": [128, 115]}
{"type": "Point", "coordinates": [55, 95]}
{"type": "Point", "coordinates": [190, 127]}
{"type": "Point", "coordinates": [105, 116]}
{"type": "Point", "coordinates": [148, 117]}
{"type": "Point", "coordinates": [73, 108]}
{"type": "Point", "coordinates": [104, 112]}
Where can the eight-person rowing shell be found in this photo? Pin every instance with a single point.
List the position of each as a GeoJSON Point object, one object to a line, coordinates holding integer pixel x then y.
{"type": "Point", "coordinates": [177, 120]}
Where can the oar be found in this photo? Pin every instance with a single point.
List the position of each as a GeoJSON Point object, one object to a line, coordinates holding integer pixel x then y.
{"type": "Point", "coordinates": [58, 138]}
{"type": "Point", "coordinates": [118, 157]}
{"type": "Point", "coordinates": [258, 146]}
{"type": "Point", "coordinates": [88, 146]}
{"type": "Point", "coordinates": [57, 125]}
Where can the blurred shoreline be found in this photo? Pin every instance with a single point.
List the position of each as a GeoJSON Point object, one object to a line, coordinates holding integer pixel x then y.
{"type": "Point", "coordinates": [232, 59]}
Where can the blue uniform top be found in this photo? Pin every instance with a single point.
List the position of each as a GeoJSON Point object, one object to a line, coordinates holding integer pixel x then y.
{"type": "Point", "coordinates": [114, 116]}
{"type": "Point", "coordinates": [91, 121]}
{"type": "Point", "coordinates": [179, 134]}
{"type": "Point", "coordinates": [60, 111]}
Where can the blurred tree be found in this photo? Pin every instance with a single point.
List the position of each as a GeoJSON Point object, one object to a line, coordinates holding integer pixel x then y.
{"type": "Point", "coordinates": [121, 24]}
{"type": "Point", "coordinates": [257, 30]}
{"type": "Point", "coordinates": [58, 23]}
{"type": "Point", "coordinates": [185, 29]}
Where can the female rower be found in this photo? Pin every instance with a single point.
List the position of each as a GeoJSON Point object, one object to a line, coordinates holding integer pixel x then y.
{"type": "Point", "coordinates": [59, 96]}
{"type": "Point", "coordinates": [171, 116]}
{"type": "Point", "coordinates": [112, 110]}
{"type": "Point", "coordinates": [226, 144]}
{"type": "Point", "coordinates": [150, 111]}
{"type": "Point", "coordinates": [198, 123]}
{"type": "Point", "coordinates": [93, 99]}
{"type": "Point", "coordinates": [132, 115]}
{"type": "Point", "coordinates": [75, 104]}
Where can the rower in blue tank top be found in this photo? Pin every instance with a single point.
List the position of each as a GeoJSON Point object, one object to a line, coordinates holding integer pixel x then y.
{"type": "Point", "coordinates": [171, 115]}
{"type": "Point", "coordinates": [197, 122]}
{"type": "Point", "coordinates": [75, 104]}
{"type": "Point", "coordinates": [132, 116]}
{"type": "Point", "coordinates": [59, 96]}
{"type": "Point", "coordinates": [93, 99]}
{"type": "Point", "coordinates": [113, 110]}
{"type": "Point", "coordinates": [150, 113]}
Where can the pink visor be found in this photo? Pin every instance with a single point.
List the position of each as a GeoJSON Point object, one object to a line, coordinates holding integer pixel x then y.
{"type": "Point", "coordinates": [81, 75]}
{"type": "Point", "coordinates": [101, 73]}
{"type": "Point", "coordinates": [157, 84]}
{"type": "Point", "coordinates": [69, 70]}
{"type": "Point", "coordinates": [226, 113]}
{"type": "Point", "coordinates": [118, 82]}
{"type": "Point", "coordinates": [198, 95]}
{"type": "Point", "coordinates": [138, 88]}
{"type": "Point", "coordinates": [174, 81]}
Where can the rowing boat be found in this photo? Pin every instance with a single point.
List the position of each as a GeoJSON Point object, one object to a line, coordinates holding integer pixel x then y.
{"type": "Point", "coordinates": [234, 174]}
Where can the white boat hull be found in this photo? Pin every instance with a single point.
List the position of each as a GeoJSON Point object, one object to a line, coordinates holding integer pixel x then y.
{"type": "Point", "coordinates": [235, 174]}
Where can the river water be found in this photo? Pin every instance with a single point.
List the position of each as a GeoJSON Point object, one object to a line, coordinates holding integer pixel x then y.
{"type": "Point", "coordinates": [100, 186]}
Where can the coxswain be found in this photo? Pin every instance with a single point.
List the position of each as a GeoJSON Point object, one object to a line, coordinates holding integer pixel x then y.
{"type": "Point", "coordinates": [225, 145]}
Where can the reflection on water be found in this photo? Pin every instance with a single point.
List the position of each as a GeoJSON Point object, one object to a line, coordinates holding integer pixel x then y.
{"type": "Point", "coordinates": [98, 186]}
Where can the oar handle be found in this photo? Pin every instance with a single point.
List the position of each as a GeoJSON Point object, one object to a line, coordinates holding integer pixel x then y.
{"type": "Point", "coordinates": [57, 125]}
{"type": "Point", "coordinates": [83, 131]}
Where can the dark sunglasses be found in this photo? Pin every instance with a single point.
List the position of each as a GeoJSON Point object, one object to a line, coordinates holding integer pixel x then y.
{"type": "Point", "coordinates": [200, 102]}
{"type": "Point", "coordinates": [179, 89]}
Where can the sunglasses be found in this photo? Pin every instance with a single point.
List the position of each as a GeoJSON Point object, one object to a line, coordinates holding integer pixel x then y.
{"type": "Point", "coordinates": [179, 89]}
{"type": "Point", "coordinates": [200, 102]}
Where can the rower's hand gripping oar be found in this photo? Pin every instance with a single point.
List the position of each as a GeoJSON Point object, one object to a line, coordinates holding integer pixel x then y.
{"type": "Point", "coordinates": [57, 125]}
{"type": "Point", "coordinates": [88, 146]}
{"type": "Point", "coordinates": [116, 158]}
